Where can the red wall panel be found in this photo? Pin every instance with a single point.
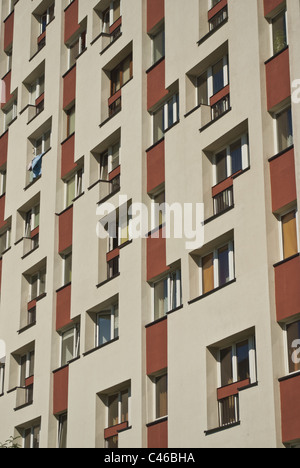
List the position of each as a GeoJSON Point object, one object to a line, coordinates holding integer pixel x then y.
{"type": "Point", "coordinates": [60, 390]}
{"type": "Point", "coordinates": [156, 166]}
{"type": "Point", "coordinates": [71, 20]}
{"type": "Point", "coordinates": [278, 79]}
{"type": "Point", "coordinates": [270, 5]}
{"type": "Point", "coordinates": [158, 435]}
{"type": "Point", "coordinates": [65, 230]}
{"type": "Point", "coordinates": [218, 7]}
{"type": "Point", "coordinates": [69, 87]}
{"type": "Point", "coordinates": [290, 409]}
{"type": "Point", "coordinates": [283, 180]}
{"type": "Point", "coordinates": [155, 12]}
{"type": "Point", "coordinates": [157, 347]}
{"type": "Point", "coordinates": [9, 31]}
{"type": "Point", "coordinates": [63, 307]}
{"type": "Point", "coordinates": [67, 156]}
{"type": "Point", "coordinates": [156, 84]}
{"type": "Point", "coordinates": [287, 289]}
{"type": "Point", "coordinates": [156, 255]}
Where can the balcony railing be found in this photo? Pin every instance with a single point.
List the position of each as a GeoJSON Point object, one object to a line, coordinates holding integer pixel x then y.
{"type": "Point", "coordinates": [229, 411]}
{"type": "Point", "coordinates": [223, 201]}
{"type": "Point", "coordinates": [24, 396]}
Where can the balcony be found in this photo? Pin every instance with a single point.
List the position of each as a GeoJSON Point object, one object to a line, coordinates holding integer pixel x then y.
{"type": "Point", "coordinates": [60, 390]}
{"type": "Point", "coordinates": [219, 106]}
{"type": "Point", "coordinates": [65, 229]}
{"type": "Point", "coordinates": [24, 395]}
{"type": "Point", "coordinates": [287, 289]}
{"type": "Point", "coordinates": [155, 13]}
{"type": "Point", "coordinates": [156, 254]}
{"type": "Point", "coordinates": [290, 408]}
{"type": "Point", "coordinates": [157, 346]}
{"type": "Point", "coordinates": [278, 78]}
{"type": "Point", "coordinates": [283, 179]}
{"type": "Point", "coordinates": [8, 31]}
{"type": "Point", "coordinates": [155, 166]}
{"type": "Point", "coordinates": [63, 307]}
{"type": "Point", "coordinates": [157, 434]}
{"type": "Point", "coordinates": [71, 20]}
{"type": "Point", "coordinates": [107, 188]}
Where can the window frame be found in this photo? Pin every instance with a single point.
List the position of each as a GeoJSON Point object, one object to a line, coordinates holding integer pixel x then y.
{"type": "Point", "coordinates": [78, 181]}
{"type": "Point", "coordinates": [164, 109]}
{"type": "Point", "coordinates": [13, 108]}
{"type": "Point", "coordinates": [119, 393]}
{"type": "Point", "coordinates": [280, 227]}
{"type": "Point", "coordinates": [75, 329]}
{"type": "Point", "coordinates": [170, 285]}
{"type": "Point", "coordinates": [231, 265]}
{"type": "Point", "coordinates": [245, 150]}
{"type": "Point", "coordinates": [272, 20]}
{"type": "Point", "coordinates": [155, 380]}
{"type": "Point", "coordinates": [32, 429]}
{"type": "Point", "coordinates": [286, 347]}
{"type": "Point", "coordinates": [39, 275]}
{"type": "Point", "coordinates": [113, 312]}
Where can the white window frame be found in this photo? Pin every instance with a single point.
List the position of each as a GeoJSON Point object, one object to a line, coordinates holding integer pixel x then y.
{"type": "Point", "coordinates": [64, 269]}
{"type": "Point", "coordinates": [2, 377]}
{"type": "Point", "coordinates": [47, 13]}
{"type": "Point", "coordinates": [31, 435]}
{"type": "Point", "coordinates": [3, 175]}
{"type": "Point", "coordinates": [280, 227]}
{"type": "Point", "coordinates": [76, 343]}
{"type": "Point", "coordinates": [245, 157]}
{"type": "Point", "coordinates": [59, 431]}
{"type": "Point", "coordinates": [210, 86]}
{"type": "Point", "coordinates": [14, 115]}
{"type": "Point", "coordinates": [231, 262]}
{"type": "Point", "coordinates": [43, 138]}
{"type": "Point", "coordinates": [33, 214]}
{"type": "Point", "coordinates": [111, 12]}
{"type": "Point", "coordinates": [119, 406]}
{"type": "Point", "coordinates": [35, 91]}
{"type": "Point", "coordinates": [79, 177]}
{"type": "Point", "coordinates": [252, 361]}
{"type": "Point", "coordinates": [80, 48]}
{"type": "Point", "coordinates": [170, 286]}
{"type": "Point", "coordinates": [27, 367]}
{"type": "Point", "coordinates": [275, 124]}
{"type": "Point", "coordinates": [154, 383]}
{"type": "Point", "coordinates": [38, 274]}
{"type": "Point", "coordinates": [113, 319]}
{"type": "Point", "coordinates": [166, 126]}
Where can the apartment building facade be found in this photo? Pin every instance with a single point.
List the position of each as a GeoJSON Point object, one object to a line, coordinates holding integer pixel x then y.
{"type": "Point", "coordinates": [125, 342]}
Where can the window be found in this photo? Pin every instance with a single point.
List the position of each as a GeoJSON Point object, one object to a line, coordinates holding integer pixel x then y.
{"type": "Point", "coordinates": [67, 268]}
{"type": "Point", "coordinates": [119, 229]}
{"type": "Point", "coordinates": [77, 48]}
{"type": "Point", "coordinates": [73, 187]}
{"type": "Point", "coordinates": [202, 90]}
{"type": "Point", "coordinates": [231, 160]}
{"type": "Point", "coordinates": [26, 367]}
{"type": "Point", "coordinates": [284, 123]}
{"type": "Point", "coordinates": [158, 46]}
{"type": "Point", "coordinates": [42, 144]}
{"type": "Point", "coordinates": [46, 18]}
{"type": "Point", "coordinates": [223, 201]}
{"type": "Point", "coordinates": [5, 241]}
{"type": "Point", "coordinates": [289, 234]}
{"type": "Point", "coordinates": [113, 268]}
{"type": "Point", "coordinates": [158, 209]}
{"type": "Point", "coordinates": [217, 268]}
{"type": "Point", "coordinates": [293, 343]}
{"type": "Point", "coordinates": [237, 362]}
{"type": "Point", "coordinates": [37, 284]}
{"type": "Point", "coordinates": [62, 431]}
{"type": "Point", "coordinates": [109, 161]}
{"type": "Point", "coordinates": [165, 117]}
{"type": "Point", "coordinates": [161, 396]}
{"type": "Point", "coordinates": [279, 32]}
{"type": "Point", "coordinates": [107, 327]}
{"type": "Point", "coordinates": [121, 74]}
{"type": "Point", "coordinates": [9, 115]}
{"type": "Point", "coordinates": [71, 121]}
{"type": "Point", "coordinates": [31, 437]}
{"type": "Point", "coordinates": [32, 220]}
{"type": "Point", "coordinates": [167, 294]}
{"type": "Point", "coordinates": [37, 89]}
{"type": "Point", "coordinates": [70, 342]}
{"type": "Point", "coordinates": [218, 77]}
{"type": "Point", "coordinates": [117, 408]}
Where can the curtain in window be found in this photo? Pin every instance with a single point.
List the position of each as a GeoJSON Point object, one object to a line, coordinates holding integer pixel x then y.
{"type": "Point", "coordinates": [208, 273]}
{"type": "Point", "coordinates": [218, 77]}
{"type": "Point", "coordinates": [289, 232]}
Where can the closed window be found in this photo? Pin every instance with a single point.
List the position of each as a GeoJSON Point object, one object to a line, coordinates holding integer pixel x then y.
{"type": "Point", "coordinates": [121, 74]}
{"type": "Point", "coordinates": [46, 17]}
{"type": "Point", "coordinates": [217, 268]}
{"type": "Point", "coordinates": [70, 343]}
{"type": "Point", "coordinates": [167, 294]}
{"type": "Point", "coordinates": [62, 431]}
{"type": "Point", "coordinates": [165, 117]}
{"type": "Point", "coordinates": [161, 396]}
{"type": "Point", "coordinates": [289, 234]}
{"type": "Point", "coordinates": [238, 362]}
{"type": "Point", "coordinates": [231, 160]}
{"type": "Point", "coordinates": [73, 187]}
{"type": "Point", "coordinates": [9, 115]}
{"type": "Point", "coordinates": [37, 284]}
{"type": "Point", "coordinates": [31, 437]}
{"type": "Point", "coordinates": [118, 406]}
{"type": "Point", "coordinates": [279, 32]}
{"type": "Point", "coordinates": [107, 327]}
{"type": "Point", "coordinates": [77, 48]}
{"type": "Point", "coordinates": [284, 129]}
{"type": "Point", "coordinates": [158, 46]}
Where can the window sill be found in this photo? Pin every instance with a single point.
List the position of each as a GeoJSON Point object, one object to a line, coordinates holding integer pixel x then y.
{"type": "Point", "coordinates": [286, 260]}
{"type": "Point", "coordinates": [108, 196]}
{"type": "Point", "coordinates": [289, 376]}
{"type": "Point", "coordinates": [222, 428]}
{"type": "Point", "coordinates": [107, 281]}
{"type": "Point", "coordinates": [155, 64]}
{"type": "Point", "coordinates": [161, 319]}
{"type": "Point", "coordinates": [215, 120]}
{"type": "Point", "coordinates": [91, 351]}
{"type": "Point", "coordinates": [24, 329]}
{"type": "Point", "coordinates": [175, 310]}
{"type": "Point", "coordinates": [210, 33]}
{"type": "Point", "coordinates": [281, 153]}
{"type": "Point", "coordinates": [37, 52]}
{"type": "Point", "coordinates": [30, 252]}
{"type": "Point", "coordinates": [109, 45]}
{"type": "Point", "coordinates": [32, 183]}
{"type": "Point", "coordinates": [276, 55]}
{"type": "Point", "coordinates": [110, 118]}
{"type": "Point", "coordinates": [157, 421]}
{"type": "Point", "coordinates": [4, 252]}
{"type": "Point", "coordinates": [155, 144]}
{"type": "Point", "coordinates": [211, 292]}
{"type": "Point", "coordinates": [63, 287]}
{"type": "Point", "coordinates": [23, 406]}
{"type": "Point", "coordinates": [216, 216]}
{"type": "Point", "coordinates": [35, 117]}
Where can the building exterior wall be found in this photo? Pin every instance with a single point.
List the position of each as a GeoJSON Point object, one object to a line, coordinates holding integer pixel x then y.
{"type": "Point", "coordinates": [258, 300]}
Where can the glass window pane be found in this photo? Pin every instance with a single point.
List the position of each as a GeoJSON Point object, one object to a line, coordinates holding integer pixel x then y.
{"type": "Point", "coordinates": [158, 46]}
{"type": "Point", "coordinates": [160, 299]}
{"type": "Point", "coordinates": [289, 234]}
{"type": "Point", "coordinates": [221, 166]}
{"type": "Point", "coordinates": [70, 191]}
{"type": "Point", "coordinates": [36, 437]}
{"type": "Point", "coordinates": [113, 410]}
{"type": "Point", "coordinates": [202, 89]}
{"type": "Point", "coordinates": [158, 125]}
{"type": "Point", "coordinates": [279, 33]}
{"type": "Point", "coordinates": [236, 157]}
{"type": "Point", "coordinates": [34, 287]}
{"type": "Point", "coordinates": [226, 366]}
{"type": "Point", "coordinates": [27, 438]}
{"type": "Point", "coordinates": [124, 406]}
{"type": "Point", "coordinates": [63, 430]}
{"type": "Point", "coordinates": [117, 10]}
{"type": "Point", "coordinates": [126, 70]}
{"type": "Point", "coordinates": [42, 278]}
{"type": "Point", "coordinates": [242, 353]}
{"type": "Point", "coordinates": [223, 256]}
{"type": "Point", "coordinates": [285, 130]}
{"type": "Point", "coordinates": [23, 364]}
{"type": "Point", "coordinates": [104, 328]}
{"type": "Point", "coordinates": [218, 77]}
{"type": "Point", "coordinates": [115, 156]}
{"type": "Point", "coordinates": [31, 363]}
{"type": "Point", "coordinates": [68, 269]}
{"type": "Point", "coordinates": [293, 337]}
{"type": "Point", "coordinates": [116, 321]}
{"type": "Point", "coordinates": [162, 396]}
{"type": "Point", "coordinates": [67, 352]}
{"type": "Point", "coordinates": [208, 273]}
{"type": "Point", "coordinates": [112, 442]}
{"type": "Point", "coordinates": [74, 52]}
